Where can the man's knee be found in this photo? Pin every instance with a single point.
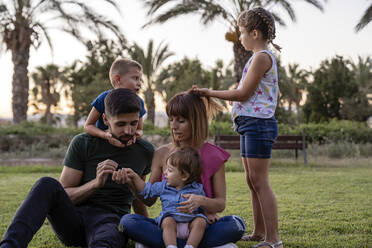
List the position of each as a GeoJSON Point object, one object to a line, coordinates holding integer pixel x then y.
{"type": "Point", "coordinates": [107, 236]}
{"type": "Point", "coordinates": [48, 183]}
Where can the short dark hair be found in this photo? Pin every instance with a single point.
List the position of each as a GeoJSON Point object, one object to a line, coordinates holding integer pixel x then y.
{"type": "Point", "coordinates": [121, 101]}
{"type": "Point", "coordinates": [187, 160]}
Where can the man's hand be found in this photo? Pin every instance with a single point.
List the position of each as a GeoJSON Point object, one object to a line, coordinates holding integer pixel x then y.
{"type": "Point", "coordinates": [103, 170]}
{"type": "Point", "coordinates": [124, 176]}
{"type": "Point", "coordinates": [113, 141]}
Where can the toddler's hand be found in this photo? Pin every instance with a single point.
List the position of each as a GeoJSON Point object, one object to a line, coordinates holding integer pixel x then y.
{"type": "Point", "coordinates": [112, 140]}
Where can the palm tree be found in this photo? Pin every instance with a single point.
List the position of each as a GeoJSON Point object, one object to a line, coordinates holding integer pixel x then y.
{"type": "Point", "coordinates": [366, 18]}
{"type": "Point", "coordinates": [161, 11]}
{"type": "Point", "coordinates": [151, 61]}
{"type": "Point", "coordinates": [297, 82]}
{"type": "Point", "coordinates": [47, 89]}
{"type": "Point", "coordinates": [24, 23]}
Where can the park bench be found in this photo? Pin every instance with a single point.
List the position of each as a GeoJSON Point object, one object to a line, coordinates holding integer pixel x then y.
{"type": "Point", "coordinates": [288, 142]}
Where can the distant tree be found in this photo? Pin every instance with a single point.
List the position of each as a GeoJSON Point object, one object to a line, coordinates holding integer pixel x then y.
{"type": "Point", "coordinates": [297, 83]}
{"type": "Point", "coordinates": [181, 76]}
{"type": "Point", "coordinates": [47, 90]}
{"type": "Point", "coordinates": [86, 80]}
{"type": "Point", "coordinates": [333, 82]}
{"type": "Point", "coordinates": [365, 20]}
{"type": "Point", "coordinates": [151, 61]}
{"type": "Point", "coordinates": [281, 112]}
{"type": "Point", "coordinates": [227, 11]}
{"type": "Point", "coordinates": [24, 23]}
{"type": "Point", "coordinates": [358, 106]}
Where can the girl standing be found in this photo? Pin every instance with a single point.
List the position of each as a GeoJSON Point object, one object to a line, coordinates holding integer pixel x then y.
{"type": "Point", "coordinates": [253, 110]}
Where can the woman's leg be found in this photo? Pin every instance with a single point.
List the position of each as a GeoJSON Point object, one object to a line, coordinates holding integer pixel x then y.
{"type": "Point", "coordinates": [259, 177]}
{"type": "Point", "coordinates": [258, 221]}
{"type": "Point", "coordinates": [225, 230]}
{"type": "Point", "coordinates": [142, 229]}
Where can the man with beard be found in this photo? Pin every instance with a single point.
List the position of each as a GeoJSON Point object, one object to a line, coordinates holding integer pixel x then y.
{"type": "Point", "coordinates": [85, 206]}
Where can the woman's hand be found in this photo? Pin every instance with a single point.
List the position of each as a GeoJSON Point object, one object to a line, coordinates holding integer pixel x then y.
{"type": "Point", "coordinates": [212, 217]}
{"type": "Point", "coordinates": [192, 203]}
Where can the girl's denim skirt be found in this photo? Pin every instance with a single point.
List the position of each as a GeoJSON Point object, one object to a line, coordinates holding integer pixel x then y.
{"type": "Point", "coordinates": [257, 136]}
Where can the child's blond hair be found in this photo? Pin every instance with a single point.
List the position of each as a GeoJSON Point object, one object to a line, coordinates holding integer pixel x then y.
{"type": "Point", "coordinates": [121, 67]}
{"type": "Point", "coordinates": [260, 19]}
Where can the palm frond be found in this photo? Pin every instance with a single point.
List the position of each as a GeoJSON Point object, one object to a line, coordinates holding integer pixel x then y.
{"type": "Point", "coordinates": [366, 18]}
{"type": "Point", "coordinates": [278, 19]}
{"type": "Point", "coordinates": [179, 9]}
{"type": "Point", "coordinates": [288, 8]}
{"type": "Point", "coordinates": [162, 53]}
{"type": "Point", "coordinates": [316, 4]}
{"type": "Point", "coordinates": [44, 30]}
{"type": "Point", "coordinates": [155, 5]}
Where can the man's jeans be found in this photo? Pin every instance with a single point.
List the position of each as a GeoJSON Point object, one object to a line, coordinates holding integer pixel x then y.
{"type": "Point", "coordinates": [145, 230]}
{"type": "Point", "coordinates": [74, 226]}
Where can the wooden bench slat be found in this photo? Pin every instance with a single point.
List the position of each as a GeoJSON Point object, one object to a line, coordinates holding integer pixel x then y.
{"type": "Point", "coordinates": [287, 146]}
{"type": "Point", "coordinates": [279, 138]}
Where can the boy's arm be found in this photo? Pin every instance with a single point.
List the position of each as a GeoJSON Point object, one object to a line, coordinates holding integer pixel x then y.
{"type": "Point", "coordinates": [90, 128]}
{"type": "Point", "coordinates": [90, 124]}
{"type": "Point", "coordinates": [139, 131]}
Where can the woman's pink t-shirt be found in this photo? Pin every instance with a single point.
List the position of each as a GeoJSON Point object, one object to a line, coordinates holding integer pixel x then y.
{"type": "Point", "coordinates": [213, 157]}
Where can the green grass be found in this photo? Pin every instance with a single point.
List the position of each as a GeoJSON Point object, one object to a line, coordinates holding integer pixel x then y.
{"type": "Point", "coordinates": [319, 205]}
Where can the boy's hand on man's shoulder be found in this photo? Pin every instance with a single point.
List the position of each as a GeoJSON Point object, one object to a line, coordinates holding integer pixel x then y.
{"type": "Point", "coordinates": [112, 140]}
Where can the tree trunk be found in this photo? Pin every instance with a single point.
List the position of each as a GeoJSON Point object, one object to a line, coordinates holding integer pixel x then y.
{"type": "Point", "coordinates": [20, 84]}
{"type": "Point", "coordinates": [298, 112]}
{"type": "Point", "coordinates": [48, 115]}
{"type": "Point", "coordinates": [150, 103]}
{"type": "Point", "coordinates": [241, 57]}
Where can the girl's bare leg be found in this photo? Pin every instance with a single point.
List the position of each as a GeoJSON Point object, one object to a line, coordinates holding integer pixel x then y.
{"type": "Point", "coordinates": [197, 228]}
{"type": "Point", "coordinates": [259, 177]}
{"type": "Point", "coordinates": [169, 227]}
{"type": "Point", "coordinates": [258, 221]}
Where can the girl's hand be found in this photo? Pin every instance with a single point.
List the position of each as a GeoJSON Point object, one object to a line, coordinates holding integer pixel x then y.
{"type": "Point", "coordinates": [201, 91]}
{"type": "Point", "coordinates": [192, 203]}
{"type": "Point", "coordinates": [112, 140]}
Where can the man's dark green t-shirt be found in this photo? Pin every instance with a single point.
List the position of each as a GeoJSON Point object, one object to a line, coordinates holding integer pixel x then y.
{"type": "Point", "coordinates": [86, 151]}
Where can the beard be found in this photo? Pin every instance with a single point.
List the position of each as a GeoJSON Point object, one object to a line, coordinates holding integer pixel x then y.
{"type": "Point", "coordinates": [123, 138]}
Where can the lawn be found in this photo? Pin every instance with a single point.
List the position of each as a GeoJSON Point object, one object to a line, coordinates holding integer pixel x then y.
{"type": "Point", "coordinates": [319, 205]}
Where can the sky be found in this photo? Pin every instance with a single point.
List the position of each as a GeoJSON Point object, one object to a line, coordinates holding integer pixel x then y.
{"type": "Point", "coordinates": [314, 37]}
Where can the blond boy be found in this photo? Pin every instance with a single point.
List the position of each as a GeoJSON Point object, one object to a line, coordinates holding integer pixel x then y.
{"type": "Point", "coordinates": [124, 73]}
